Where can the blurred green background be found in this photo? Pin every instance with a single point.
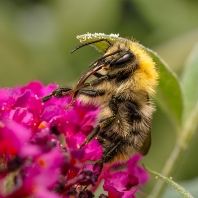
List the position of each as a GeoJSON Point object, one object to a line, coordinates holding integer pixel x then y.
{"type": "Point", "coordinates": [36, 37]}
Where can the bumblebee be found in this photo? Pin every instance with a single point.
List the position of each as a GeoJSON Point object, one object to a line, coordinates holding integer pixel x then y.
{"type": "Point", "coordinates": [124, 80]}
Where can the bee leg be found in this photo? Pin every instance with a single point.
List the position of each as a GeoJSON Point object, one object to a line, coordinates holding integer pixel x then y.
{"type": "Point", "coordinates": [92, 93]}
{"type": "Point", "coordinates": [57, 93]}
{"type": "Point", "coordinates": [100, 79]}
{"type": "Point", "coordinates": [95, 132]}
{"type": "Point", "coordinates": [110, 153]}
{"type": "Point", "coordinates": [92, 135]}
{"type": "Point", "coordinates": [98, 75]}
{"type": "Point", "coordinates": [63, 90]}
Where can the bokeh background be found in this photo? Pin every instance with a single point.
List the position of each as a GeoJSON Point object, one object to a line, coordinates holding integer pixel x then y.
{"type": "Point", "coordinates": [36, 37]}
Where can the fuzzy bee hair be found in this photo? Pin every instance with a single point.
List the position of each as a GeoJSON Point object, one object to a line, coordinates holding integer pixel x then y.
{"type": "Point", "coordinates": [125, 78]}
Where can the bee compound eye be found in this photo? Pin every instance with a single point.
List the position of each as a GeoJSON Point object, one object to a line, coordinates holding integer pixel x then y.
{"type": "Point", "coordinates": [113, 62]}
{"type": "Point", "coordinates": [123, 59]}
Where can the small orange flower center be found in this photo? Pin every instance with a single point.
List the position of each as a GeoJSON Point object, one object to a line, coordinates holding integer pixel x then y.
{"type": "Point", "coordinates": [42, 125]}
{"type": "Point", "coordinates": [42, 162]}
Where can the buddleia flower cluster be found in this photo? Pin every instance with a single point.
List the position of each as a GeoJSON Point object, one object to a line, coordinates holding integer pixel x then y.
{"type": "Point", "coordinates": [40, 154]}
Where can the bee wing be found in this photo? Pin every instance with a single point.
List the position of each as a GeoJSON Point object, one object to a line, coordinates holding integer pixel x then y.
{"type": "Point", "coordinates": [147, 143]}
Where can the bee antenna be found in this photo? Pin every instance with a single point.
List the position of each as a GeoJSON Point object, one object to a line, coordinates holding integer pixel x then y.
{"type": "Point", "coordinates": [89, 43]}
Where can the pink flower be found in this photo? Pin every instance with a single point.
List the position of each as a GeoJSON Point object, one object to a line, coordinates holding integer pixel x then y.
{"type": "Point", "coordinates": [125, 183]}
{"type": "Point", "coordinates": [40, 149]}
{"type": "Point", "coordinates": [12, 140]}
{"type": "Point", "coordinates": [116, 185]}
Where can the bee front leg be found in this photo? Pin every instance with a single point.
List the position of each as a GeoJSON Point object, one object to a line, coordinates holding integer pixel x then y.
{"type": "Point", "coordinates": [57, 93]}
{"type": "Point", "coordinates": [64, 90]}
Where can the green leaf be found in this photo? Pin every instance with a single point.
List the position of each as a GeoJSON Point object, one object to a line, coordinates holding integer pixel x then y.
{"type": "Point", "coordinates": [169, 94]}
{"type": "Point", "coordinates": [176, 186]}
{"type": "Point", "coordinates": [190, 82]}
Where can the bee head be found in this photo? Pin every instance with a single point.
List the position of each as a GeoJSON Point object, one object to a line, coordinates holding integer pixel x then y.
{"type": "Point", "coordinates": [115, 58]}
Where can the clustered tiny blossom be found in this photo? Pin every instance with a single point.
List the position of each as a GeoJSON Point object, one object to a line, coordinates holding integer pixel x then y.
{"type": "Point", "coordinates": [39, 149]}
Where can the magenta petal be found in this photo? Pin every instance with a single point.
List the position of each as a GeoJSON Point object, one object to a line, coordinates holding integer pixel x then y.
{"type": "Point", "coordinates": [135, 170]}
{"type": "Point", "coordinates": [75, 141]}
{"type": "Point", "coordinates": [21, 115]}
{"type": "Point", "coordinates": [129, 193]}
{"type": "Point", "coordinates": [112, 191]}
{"type": "Point", "coordinates": [87, 114]}
{"type": "Point", "coordinates": [38, 89]}
{"type": "Point", "coordinates": [87, 129]}
{"type": "Point", "coordinates": [42, 178]}
{"type": "Point", "coordinates": [93, 150]}
{"type": "Point", "coordinates": [142, 175]}
{"type": "Point", "coordinates": [95, 168]}
{"type": "Point", "coordinates": [45, 193]}
{"type": "Point", "coordinates": [3, 97]}
{"type": "Point", "coordinates": [53, 159]}
{"type": "Point", "coordinates": [134, 160]}
{"type": "Point", "coordinates": [118, 180]}
{"type": "Point", "coordinates": [72, 117]}
{"type": "Point", "coordinates": [22, 99]}
{"type": "Point", "coordinates": [77, 153]}
{"type": "Point", "coordinates": [116, 185]}
{"type": "Point", "coordinates": [13, 136]}
{"type": "Point", "coordinates": [30, 150]}
{"type": "Point", "coordinates": [51, 111]}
